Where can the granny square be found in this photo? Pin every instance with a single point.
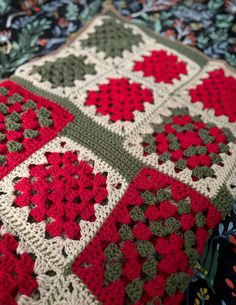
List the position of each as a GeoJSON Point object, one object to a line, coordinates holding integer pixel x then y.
{"type": "Point", "coordinates": [161, 67]}
{"type": "Point", "coordinates": [65, 72]}
{"type": "Point", "coordinates": [113, 41]}
{"type": "Point", "coordinates": [118, 101]}
{"type": "Point", "coordinates": [214, 91]}
{"type": "Point", "coordinates": [27, 122]}
{"type": "Point", "coordinates": [186, 143]}
{"type": "Point", "coordinates": [63, 193]}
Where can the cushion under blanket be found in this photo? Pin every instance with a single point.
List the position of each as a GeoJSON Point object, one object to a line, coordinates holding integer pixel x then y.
{"type": "Point", "coordinates": [117, 158]}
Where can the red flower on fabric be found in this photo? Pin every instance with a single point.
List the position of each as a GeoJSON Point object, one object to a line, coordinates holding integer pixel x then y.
{"type": "Point", "coordinates": [162, 66]}
{"type": "Point", "coordinates": [16, 271]}
{"type": "Point", "coordinates": [62, 192]}
{"type": "Point", "coordinates": [217, 92]}
{"type": "Point", "coordinates": [119, 99]}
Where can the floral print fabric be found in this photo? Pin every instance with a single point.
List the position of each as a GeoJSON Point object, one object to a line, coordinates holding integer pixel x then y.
{"type": "Point", "coordinates": [30, 28]}
{"type": "Point", "coordinates": [209, 26]}
{"type": "Point", "coordinates": [215, 278]}
{"type": "Point", "coordinates": [206, 25]}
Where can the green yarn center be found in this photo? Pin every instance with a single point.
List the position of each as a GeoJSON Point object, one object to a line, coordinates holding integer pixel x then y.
{"type": "Point", "coordinates": [112, 38]}
{"type": "Point", "coordinates": [64, 71]}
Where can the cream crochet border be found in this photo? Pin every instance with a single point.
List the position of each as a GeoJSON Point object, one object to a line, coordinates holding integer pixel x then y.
{"type": "Point", "coordinates": [103, 65]}
{"type": "Point", "coordinates": [78, 97]}
{"type": "Point", "coordinates": [126, 55]}
{"type": "Point", "coordinates": [25, 71]}
{"type": "Point", "coordinates": [192, 68]}
{"type": "Point", "coordinates": [182, 94]}
{"type": "Point", "coordinates": [50, 251]}
{"type": "Point", "coordinates": [208, 186]}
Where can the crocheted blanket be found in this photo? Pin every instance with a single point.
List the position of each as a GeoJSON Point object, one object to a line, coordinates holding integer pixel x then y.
{"type": "Point", "coordinates": [117, 158]}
